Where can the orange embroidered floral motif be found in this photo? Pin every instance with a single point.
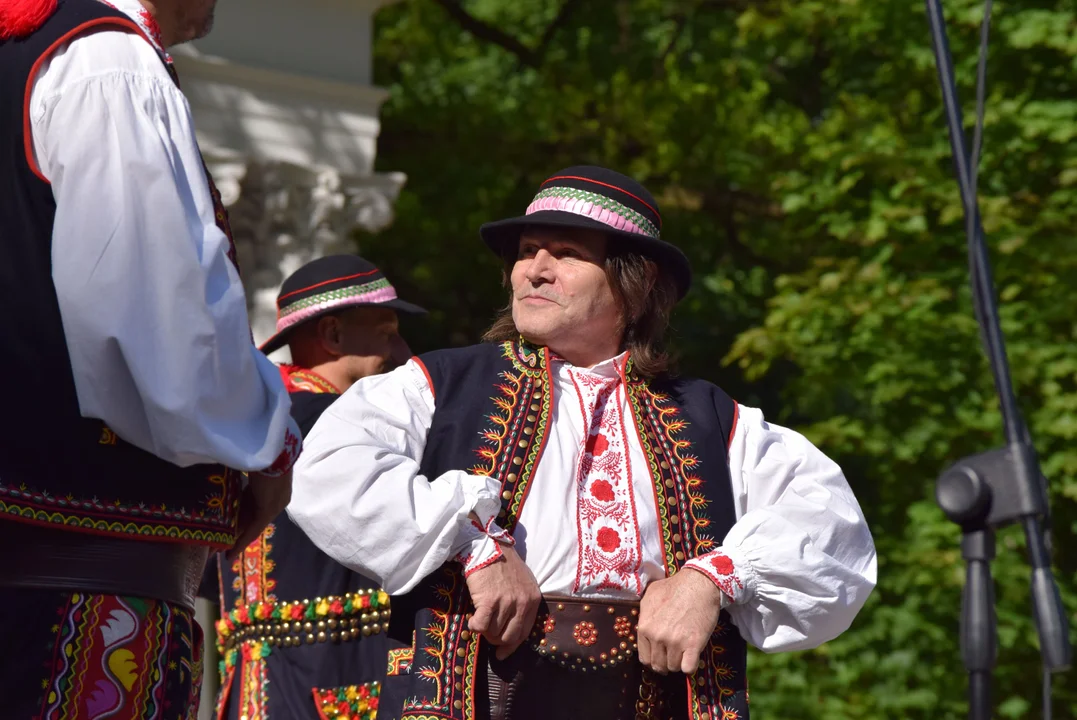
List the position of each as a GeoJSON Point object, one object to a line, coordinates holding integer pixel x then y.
{"type": "Point", "coordinates": [585, 634]}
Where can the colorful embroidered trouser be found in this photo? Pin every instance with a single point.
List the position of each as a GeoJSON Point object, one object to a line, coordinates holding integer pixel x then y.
{"type": "Point", "coordinates": [73, 656]}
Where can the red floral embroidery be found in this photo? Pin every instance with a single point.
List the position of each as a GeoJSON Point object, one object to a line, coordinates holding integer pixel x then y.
{"type": "Point", "coordinates": [622, 626]}
{"type": "Point", "coordinates": [597, 444]}
{"type": "Point", "coordinates": [149, 24]}
{"type": "Point", "coordinates": [287, 456]}
{"type": "Point", "coordinates": [721, 570]}
{"type": "Point", "coordinates": [602, 491]}
{"type": "Point", "coordinates": [610, 556]}
{"type": "Point", "coordinates": [722, 564]}
{"type": "Point", "coordinates": [146, 22]}
{"type": "Point", "coordinates": [608, 539]}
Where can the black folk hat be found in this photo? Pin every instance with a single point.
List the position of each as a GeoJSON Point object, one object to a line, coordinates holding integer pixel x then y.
{"type": "Point", "coordinates": [329, 284]}
{"type": "Point", "coordinates": [595, 198]}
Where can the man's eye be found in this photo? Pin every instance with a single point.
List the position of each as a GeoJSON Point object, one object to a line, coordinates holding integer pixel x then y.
{"type": "Point", "coordinates": [527, 251]}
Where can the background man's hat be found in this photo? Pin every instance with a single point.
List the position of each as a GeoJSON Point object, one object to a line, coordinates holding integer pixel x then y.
{"type": "Point", "coordinates": [329, 284]}
{"type": "Point", "coordinates": [595, 198]}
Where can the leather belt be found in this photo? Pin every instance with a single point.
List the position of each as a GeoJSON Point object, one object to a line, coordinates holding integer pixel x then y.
{"type": "Point", "coordinates": [595, 641]}
{"type": "Point", "coordinates": [585, 635]}
{"type": "Point", "coordinates": [41, 558]}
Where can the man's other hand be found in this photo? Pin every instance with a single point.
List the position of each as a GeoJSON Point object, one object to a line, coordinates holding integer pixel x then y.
{"type": "Point", "coordinates": [506, 599]}
{"type": "Point", "coordinates": [263, 499]}
{"type": "Point", "coordinates": [676, 619]}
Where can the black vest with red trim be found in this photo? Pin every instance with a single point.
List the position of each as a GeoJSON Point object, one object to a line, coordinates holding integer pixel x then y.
{"type": "Point", "coordinates": [494, 410]}
{"type": "Point", "coordinates": [339, 653]}
{"type": "Point", "coordinates": [57, 468]}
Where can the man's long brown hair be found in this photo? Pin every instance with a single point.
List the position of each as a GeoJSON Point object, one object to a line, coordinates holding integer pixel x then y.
{"type": "Point", "coordinates": [646, 295]}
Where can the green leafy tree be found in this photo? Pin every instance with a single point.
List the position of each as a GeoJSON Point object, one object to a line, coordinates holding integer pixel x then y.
{"type": "Point", "coordinates": [800, 157]}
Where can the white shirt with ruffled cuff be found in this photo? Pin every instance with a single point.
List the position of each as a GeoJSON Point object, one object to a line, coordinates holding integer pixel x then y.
{"type": "Point", "coordinates": [153, 310]}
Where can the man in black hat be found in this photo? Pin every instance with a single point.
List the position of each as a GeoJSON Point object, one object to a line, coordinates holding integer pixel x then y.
{"type": "Point", "coordinates": [301, 636]}
{"type": "Point", "coordinates": [530, 502]}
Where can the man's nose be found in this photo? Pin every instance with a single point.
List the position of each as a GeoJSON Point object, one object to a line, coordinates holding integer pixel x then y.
{"type": "Point", "coordinates": [541, 267]}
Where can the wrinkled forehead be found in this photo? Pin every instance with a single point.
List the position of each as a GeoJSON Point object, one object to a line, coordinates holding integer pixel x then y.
{"type": "Point", "coordinates": [593, 242]}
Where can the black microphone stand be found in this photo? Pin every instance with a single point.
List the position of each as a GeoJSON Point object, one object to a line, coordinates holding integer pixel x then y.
{"type": "Point", "coordinates": [999, 487]}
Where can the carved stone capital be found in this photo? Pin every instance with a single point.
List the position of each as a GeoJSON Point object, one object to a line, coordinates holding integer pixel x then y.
{"type": "Point", "coordinates": [283, 217]}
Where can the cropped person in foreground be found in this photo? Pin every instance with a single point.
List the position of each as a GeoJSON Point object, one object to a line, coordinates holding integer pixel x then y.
{"type": "Point", "coordinates": [138, 395]}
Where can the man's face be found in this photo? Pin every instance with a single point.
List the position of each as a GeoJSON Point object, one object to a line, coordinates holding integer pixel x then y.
{"type": "Point", "coordinates": [194, 18]}
{"type": "Point", "coordinates": [370, 341]}
{"type": "Point", "coordinates": [561, 296]}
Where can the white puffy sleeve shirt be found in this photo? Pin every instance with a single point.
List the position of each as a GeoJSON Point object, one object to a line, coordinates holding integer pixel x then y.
{"type": "Point", "coordinates": [153, 311]}
{"type": "Point", "coordinates": [800, 550]}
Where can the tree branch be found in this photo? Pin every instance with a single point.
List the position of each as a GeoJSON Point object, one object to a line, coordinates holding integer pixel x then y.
{"type": "Point", "coordinates": [558, 22]}
{"type": "Point", "coordinates": [680, 21]}
{"type": "Point", "coordinates": [485, 31]}
{"type": "Point", "coordinates": [489, 33]}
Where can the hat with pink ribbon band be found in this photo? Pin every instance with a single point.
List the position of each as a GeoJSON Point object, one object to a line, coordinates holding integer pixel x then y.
{"type": "Point", "coordinates": [595, 198]}
{"type": "Point", "coordinates": [329, 284]}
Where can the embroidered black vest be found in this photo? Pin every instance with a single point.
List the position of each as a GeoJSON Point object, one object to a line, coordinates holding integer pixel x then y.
{"type": "Point", "coordinates": [57, 468]}
{"type": "Point", "coordinates": [493, 413]}
{"type": "Point", "coordinates": [300, 635]}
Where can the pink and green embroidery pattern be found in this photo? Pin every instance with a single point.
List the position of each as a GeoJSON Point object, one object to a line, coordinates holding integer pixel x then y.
{"type": "Point", "coordinates": [376, 291]}
{"type": "Point", "coordinates": [597, 207]}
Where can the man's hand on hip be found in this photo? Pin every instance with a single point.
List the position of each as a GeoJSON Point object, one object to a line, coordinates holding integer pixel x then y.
{"type": "Point", "coordinates": [263, 499]}
{"type": "Point", "coordinates": [506, 599]}
{"type": "Point", "coordinates": [676, 618]}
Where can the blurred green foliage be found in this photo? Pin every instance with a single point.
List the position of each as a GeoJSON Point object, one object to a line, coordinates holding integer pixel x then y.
{"type": "Point", "coordinates": [800, 156]}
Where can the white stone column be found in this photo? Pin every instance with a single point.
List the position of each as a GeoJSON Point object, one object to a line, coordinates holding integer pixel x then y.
{"type": "Point", "coordinates": [283, 217]}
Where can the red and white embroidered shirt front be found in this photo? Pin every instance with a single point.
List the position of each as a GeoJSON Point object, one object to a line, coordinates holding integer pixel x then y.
{"type": "Point", "coordinates": [607, 526]}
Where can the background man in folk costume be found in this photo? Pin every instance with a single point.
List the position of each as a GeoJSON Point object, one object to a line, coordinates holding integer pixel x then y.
{"type": "Point", "coordinates": [302, 636]}
{"type": "Point", "coordinates": [140, 392]}
{"type": "Point", "coordinates": [532, 503]}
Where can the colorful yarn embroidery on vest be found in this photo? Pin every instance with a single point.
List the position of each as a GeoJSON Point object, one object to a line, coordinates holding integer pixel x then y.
{"type": "Point", "coordinates": [683, 523]}
{"type": "Point", "coordinates": [351, 702]}
{"type": "Point", "coordinates": [301, 379]}
{"type": "Point", "coordinates": [115, 656]}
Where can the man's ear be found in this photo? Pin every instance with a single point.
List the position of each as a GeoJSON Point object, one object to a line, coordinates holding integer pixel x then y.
{"type": "Point", "coordinates": [329, 335]}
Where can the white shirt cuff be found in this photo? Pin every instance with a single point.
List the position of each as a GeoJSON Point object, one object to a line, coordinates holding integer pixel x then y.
{"type": "Point", "coordinates": [479, 543]}
{"type": "Point", "coordinates": [730, 571]}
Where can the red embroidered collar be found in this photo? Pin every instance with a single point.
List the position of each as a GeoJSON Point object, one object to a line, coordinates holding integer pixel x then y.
{"type": "Point", "coordinates": [144, 19]}
{"type": "Point", "coordinates": [297, 379]}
